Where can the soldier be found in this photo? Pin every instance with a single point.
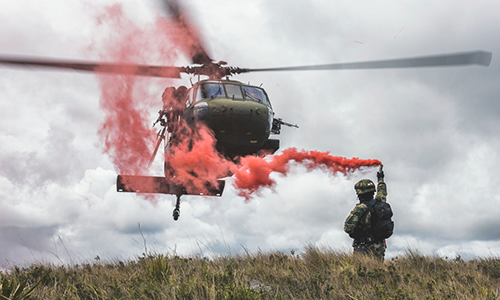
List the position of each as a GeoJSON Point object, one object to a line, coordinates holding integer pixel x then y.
{"type": "Point", "coordinates": [358, 223]}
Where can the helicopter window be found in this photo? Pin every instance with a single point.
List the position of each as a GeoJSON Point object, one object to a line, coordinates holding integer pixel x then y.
{"type": "Point", "coordinates": [210, 90]}
{"type": "Point", "coordinates": [233, 91]}
{"type": "Point", "coordinates": [256, 94]}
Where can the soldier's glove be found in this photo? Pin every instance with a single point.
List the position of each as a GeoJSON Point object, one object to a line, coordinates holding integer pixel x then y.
{"type": "Point", "coordinates": [380, 175]}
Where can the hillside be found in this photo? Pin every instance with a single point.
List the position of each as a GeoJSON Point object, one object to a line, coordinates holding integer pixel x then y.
{"type": "Point", "coordinates": [313, 274]}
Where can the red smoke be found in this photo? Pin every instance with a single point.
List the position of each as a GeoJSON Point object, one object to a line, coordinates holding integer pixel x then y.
{"type": "Point", "coordinates": [191, 159]}
{"type": "Point", "coordinates": [254, 172]}
{"type": "Point", "coordinates": [194, 164]}
{"type": "Point", "coordinates": [126, 100]}
{"type": "Point", "coordinates": [128, 137]}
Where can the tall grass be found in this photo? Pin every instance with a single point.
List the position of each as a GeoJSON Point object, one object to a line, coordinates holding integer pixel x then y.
{"type": "Point", "coordinates": [314, 274]}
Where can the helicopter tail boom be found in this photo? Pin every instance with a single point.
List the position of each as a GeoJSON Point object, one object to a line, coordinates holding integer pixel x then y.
{"type": "Point", "coordinates": [160, 185]}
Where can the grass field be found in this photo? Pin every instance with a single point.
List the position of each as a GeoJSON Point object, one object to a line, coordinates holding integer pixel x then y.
{"type": "Point", "coordinates": [313, 274]}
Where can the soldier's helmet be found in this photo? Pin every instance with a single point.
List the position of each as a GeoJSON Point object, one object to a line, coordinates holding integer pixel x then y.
{"type": "Point", "coordinates": [364, 186]}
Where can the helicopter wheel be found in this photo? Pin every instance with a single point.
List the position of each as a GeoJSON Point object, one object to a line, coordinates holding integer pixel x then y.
{"type": "Point", "coordinates": [177, 211]}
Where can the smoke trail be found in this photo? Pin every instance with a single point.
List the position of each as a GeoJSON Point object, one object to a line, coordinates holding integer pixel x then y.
{"type": "Point", "coordinates": [128, 140]}
{"type": "Point", "coordinates": [126, 132]}
{"type": "Point", "coordinates": [196, 163]}
{"type": "Point", "coordinates": [254, 172]}
{"type": "Point", "coordinates": [191, 158]}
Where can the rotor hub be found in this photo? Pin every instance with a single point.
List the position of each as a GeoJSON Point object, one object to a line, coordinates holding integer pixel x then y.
{"type": "Point", "coordinates": [214, 70]}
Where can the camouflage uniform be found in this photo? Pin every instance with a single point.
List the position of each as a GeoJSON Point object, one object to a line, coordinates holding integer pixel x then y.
{"type": "Point", "coordinates": [355, 222]}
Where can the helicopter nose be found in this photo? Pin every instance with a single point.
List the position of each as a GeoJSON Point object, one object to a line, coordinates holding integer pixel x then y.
{"type": "Point", "coordinates": [238, 122]}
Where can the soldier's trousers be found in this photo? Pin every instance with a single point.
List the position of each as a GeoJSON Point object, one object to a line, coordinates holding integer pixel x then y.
{"type": "Point", "coordinates": [376, 249]}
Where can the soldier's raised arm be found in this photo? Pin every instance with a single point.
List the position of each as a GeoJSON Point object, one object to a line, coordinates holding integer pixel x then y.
{"type": "Point", "coordinates": [381, 186]}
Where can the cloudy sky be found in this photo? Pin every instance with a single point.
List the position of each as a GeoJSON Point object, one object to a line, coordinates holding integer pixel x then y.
{"type": "Point", "coordinates": [435, 130]}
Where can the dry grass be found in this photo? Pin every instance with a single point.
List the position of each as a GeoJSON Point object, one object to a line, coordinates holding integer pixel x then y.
{"type": "Point", "coordinates": [314, 274]}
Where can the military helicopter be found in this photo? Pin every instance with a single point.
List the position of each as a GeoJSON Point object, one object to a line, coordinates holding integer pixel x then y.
{"type": "Point", "coordinates": [240, 115]}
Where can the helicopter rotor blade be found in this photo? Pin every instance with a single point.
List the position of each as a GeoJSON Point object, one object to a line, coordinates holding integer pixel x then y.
{"type": "Point", "coordinates": [97, 67]}
{"type": "Point", "coordinates": [194, 45]}
{"type": "Point", "coordinates": [482, 58]}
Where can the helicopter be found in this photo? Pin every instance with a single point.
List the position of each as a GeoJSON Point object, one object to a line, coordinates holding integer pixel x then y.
{"type": "Point", "coordinates": [239, 115]}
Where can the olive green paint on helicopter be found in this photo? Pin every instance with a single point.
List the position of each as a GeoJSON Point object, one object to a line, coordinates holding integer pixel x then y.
{"type": "Point", "coordinates": [240, 122]}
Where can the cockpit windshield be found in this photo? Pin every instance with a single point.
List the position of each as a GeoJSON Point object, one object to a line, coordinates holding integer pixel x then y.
{"type": "Point", "coordinates": [232, 91]}
{"type": "Point", "coordinates": [256, 94]}
{"type": "Point", "coordinates": [210, 91]}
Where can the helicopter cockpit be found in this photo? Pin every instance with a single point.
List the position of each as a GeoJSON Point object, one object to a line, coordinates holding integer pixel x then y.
{"type": "Point", "coordinates": [211, 90]}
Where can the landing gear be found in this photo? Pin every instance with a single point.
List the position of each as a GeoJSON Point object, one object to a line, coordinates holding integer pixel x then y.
{"type": "Point", "coordinates": [177, 210]}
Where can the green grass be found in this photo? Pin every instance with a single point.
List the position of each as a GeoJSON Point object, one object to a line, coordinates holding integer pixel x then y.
{"type": "Point", "coordinates": [314, 274]}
